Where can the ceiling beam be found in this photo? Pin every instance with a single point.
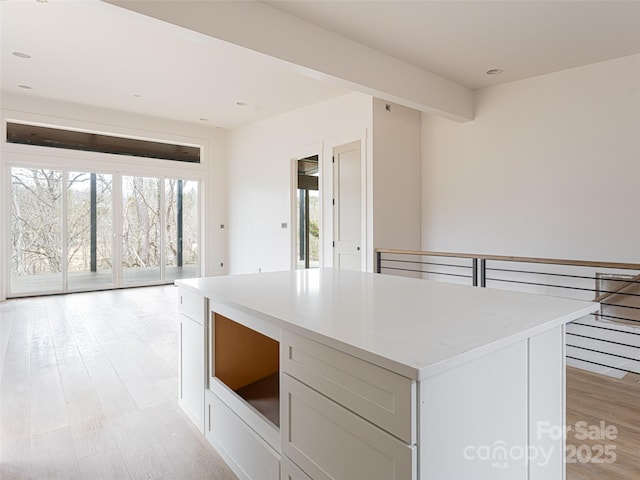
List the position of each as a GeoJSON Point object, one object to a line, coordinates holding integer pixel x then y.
{"type": "Point", "coordinates": [313, 51]}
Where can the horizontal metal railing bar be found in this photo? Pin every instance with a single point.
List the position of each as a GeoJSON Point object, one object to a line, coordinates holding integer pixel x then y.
{"type": "Point", "coordinates": [427, 263]}
{"type": "Point", "coordinates": [630, 282]}
{"type": "Point", "coordinates": [617, 305]}
{"type": "Point", "coordinates": [604, 328]}
{"type": "Point", "coordinates": [428, 254]}
{"type": "Point", "coordinates": [603, 365]}
{"type": "Point", "coordinates": [605, 353]}
{"type": "Point", "coordinates": [603, 340]}
{"type": "Point", "coordinates": [423, 271]}
{"type": "Point", "coordinates": [506, 258]}
{"type": "Point", "coordinates": [613, 317]}
{"type": "Point", "coordinates": [558, 286]}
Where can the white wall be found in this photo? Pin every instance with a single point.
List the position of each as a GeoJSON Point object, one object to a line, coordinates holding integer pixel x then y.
{"type": "Point", "coordinates": [212, 170]}
{"type": "Point", "coordinates": [396, 176]}
{"type": "Point", "coordinates": [259, 158]}
{"type": "Point", "coordinates": [550, 167]}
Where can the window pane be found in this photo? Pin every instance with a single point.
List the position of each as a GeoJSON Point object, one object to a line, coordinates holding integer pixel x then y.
{"type": "Point", "coordinates": [181, 227]}
{"type": "Point", "coordinates": [36, 230]}
{"type": "Point", "coordinates": [95, 142]}
{"type": "Point", "coordinates": [140, 230]}
{"type": "Point", "coordinates": [90, 231]}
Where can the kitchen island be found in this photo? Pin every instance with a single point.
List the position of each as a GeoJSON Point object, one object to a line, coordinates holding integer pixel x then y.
{"type": "Point", "coordinates": [331, 374]}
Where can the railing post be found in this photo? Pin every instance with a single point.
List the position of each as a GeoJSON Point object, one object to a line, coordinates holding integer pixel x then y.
{"type": "Point", "coordinates": [93, 221]}
{"type": "Point", "coordinates": [483, 272]}
{"type": "Point", "coordinates": [474, 272]}
{"type": "Point", "coordinates": [378, 261]}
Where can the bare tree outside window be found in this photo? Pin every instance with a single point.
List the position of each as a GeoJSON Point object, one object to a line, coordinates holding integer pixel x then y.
{"type": "Point", "coordinates": [141, 228]}
{"type": "Point", "coordinates": [36, 224]}
{"type": "Point", "coordinates": [40, 216]}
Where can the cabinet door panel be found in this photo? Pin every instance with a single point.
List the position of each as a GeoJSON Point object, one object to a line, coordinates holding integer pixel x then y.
{"type": "Point", "coordinates": [249, 456]}
{"type": "Point", "coordinates": [192, 375]}
{"type": "Point", "coordinates": [473, 416]}
{"type": "Point", "coordinates": [379, 395]}
{"type": "Point", "coordinates": [331, 443]}
{"type": "Point", "coordinates": [192, 305]}
{"type": "Point", "coordinates": [290, 471]}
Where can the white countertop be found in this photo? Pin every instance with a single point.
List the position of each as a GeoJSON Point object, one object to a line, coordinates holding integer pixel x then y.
{"type": "Point", "coordinates": [414, 327]}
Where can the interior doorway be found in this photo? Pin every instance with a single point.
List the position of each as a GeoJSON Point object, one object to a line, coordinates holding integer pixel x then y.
{"type": "Point", "coordinates": [307, 213]}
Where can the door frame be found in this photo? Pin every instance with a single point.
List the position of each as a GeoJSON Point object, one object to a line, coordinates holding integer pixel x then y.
{"type": "Point", "coordinates": [310, 150]}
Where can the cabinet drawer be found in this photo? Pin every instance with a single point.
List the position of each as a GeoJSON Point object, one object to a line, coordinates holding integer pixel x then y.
{"type": "Point", "coordinates": [290, 471]}
{"type": "Point", "coordinates": [379, 395]}
{"type": "Point", "coordinates": [192, 305]}
{"type": "Point", "coordinates": [247, 454]}
{"type": "Point", "coordinates": [329, 442]}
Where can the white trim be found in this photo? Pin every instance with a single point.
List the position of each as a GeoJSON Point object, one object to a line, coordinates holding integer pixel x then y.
{"type": "Point", "coordinates": [64, 228]}
{"type": "Point", "coordinates": [116, 213]}
{"type": "Point", "coordinates": [5, 213]}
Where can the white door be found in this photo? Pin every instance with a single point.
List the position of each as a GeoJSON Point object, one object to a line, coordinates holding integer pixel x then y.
{"type": "Point", "coordinates": [347, 211]}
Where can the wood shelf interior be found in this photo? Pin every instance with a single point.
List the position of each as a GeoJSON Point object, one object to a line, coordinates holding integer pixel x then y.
{"type": "Point", "coordinates": [264, 396]}
{"type": "Point", "coordinates": [248, 362]}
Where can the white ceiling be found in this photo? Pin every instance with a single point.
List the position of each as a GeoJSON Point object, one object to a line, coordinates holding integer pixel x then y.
{"type": "Point", "coordinates": [461, 40]}
{"type": "Point", "coordinates": [94, 53]}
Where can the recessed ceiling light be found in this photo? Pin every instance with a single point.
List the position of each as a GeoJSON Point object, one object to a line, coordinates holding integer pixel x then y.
{"type": "Point", "coordinates": [137, 95]}
{"type": "Point", "coordinates": [203, 119]}
{"type": "Point", "coordinates": [495, 71]}
{"type": "Point", "coordinates": [22, 55]}
{"type": "Point", "coordinates": [26, 87]}
{"type": "Point", "coordinates": [241, 104]}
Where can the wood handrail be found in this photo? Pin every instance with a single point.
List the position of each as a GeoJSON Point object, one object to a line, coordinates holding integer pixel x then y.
{"type": "Point", "coordinates": [506, 258]}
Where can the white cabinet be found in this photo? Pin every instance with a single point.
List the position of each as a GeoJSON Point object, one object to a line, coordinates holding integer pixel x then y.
{"type": "Point", "coordinates": [249, 456]}
{"type": "Point", "coordinates": [337, 375]}
{"type": "Point", "coordinates": [343, 417]}
{"type": "Point", "coordinates": [384, 398]}
{"type": "Point", "coordinates": [290, 471]}
{"type": "Point", "coordinates": [191, 368]}
{"type": "Point", "coordinates": [329, 442]}
{"type": "Point", "coordinates": [242, 399]}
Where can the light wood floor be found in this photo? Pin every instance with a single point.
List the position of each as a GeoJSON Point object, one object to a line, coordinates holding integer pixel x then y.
{"type": "Point", "coordinates": [593, 399]}
{"type": "Point", "coordinates": [89, 388]}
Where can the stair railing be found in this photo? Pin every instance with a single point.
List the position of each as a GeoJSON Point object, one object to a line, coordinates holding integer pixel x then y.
{"type": "Point", "coordinates": [607, 341]}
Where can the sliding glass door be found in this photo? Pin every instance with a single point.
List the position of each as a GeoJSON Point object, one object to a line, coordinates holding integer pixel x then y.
{"type": "Point", "coordinates": [36, 230]}
{"type": "Point", "coordinates": [89, 230]}
{"type": "Point", "coordinates": [63, 229]}
{"type": "Point", "coordinates": [140, 230]}
{"type": "Point", "coordinates": [181, 229]}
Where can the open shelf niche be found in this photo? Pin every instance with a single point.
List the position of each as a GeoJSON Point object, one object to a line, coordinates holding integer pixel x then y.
{"type": "Point", "coordinates": [248, 362]}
